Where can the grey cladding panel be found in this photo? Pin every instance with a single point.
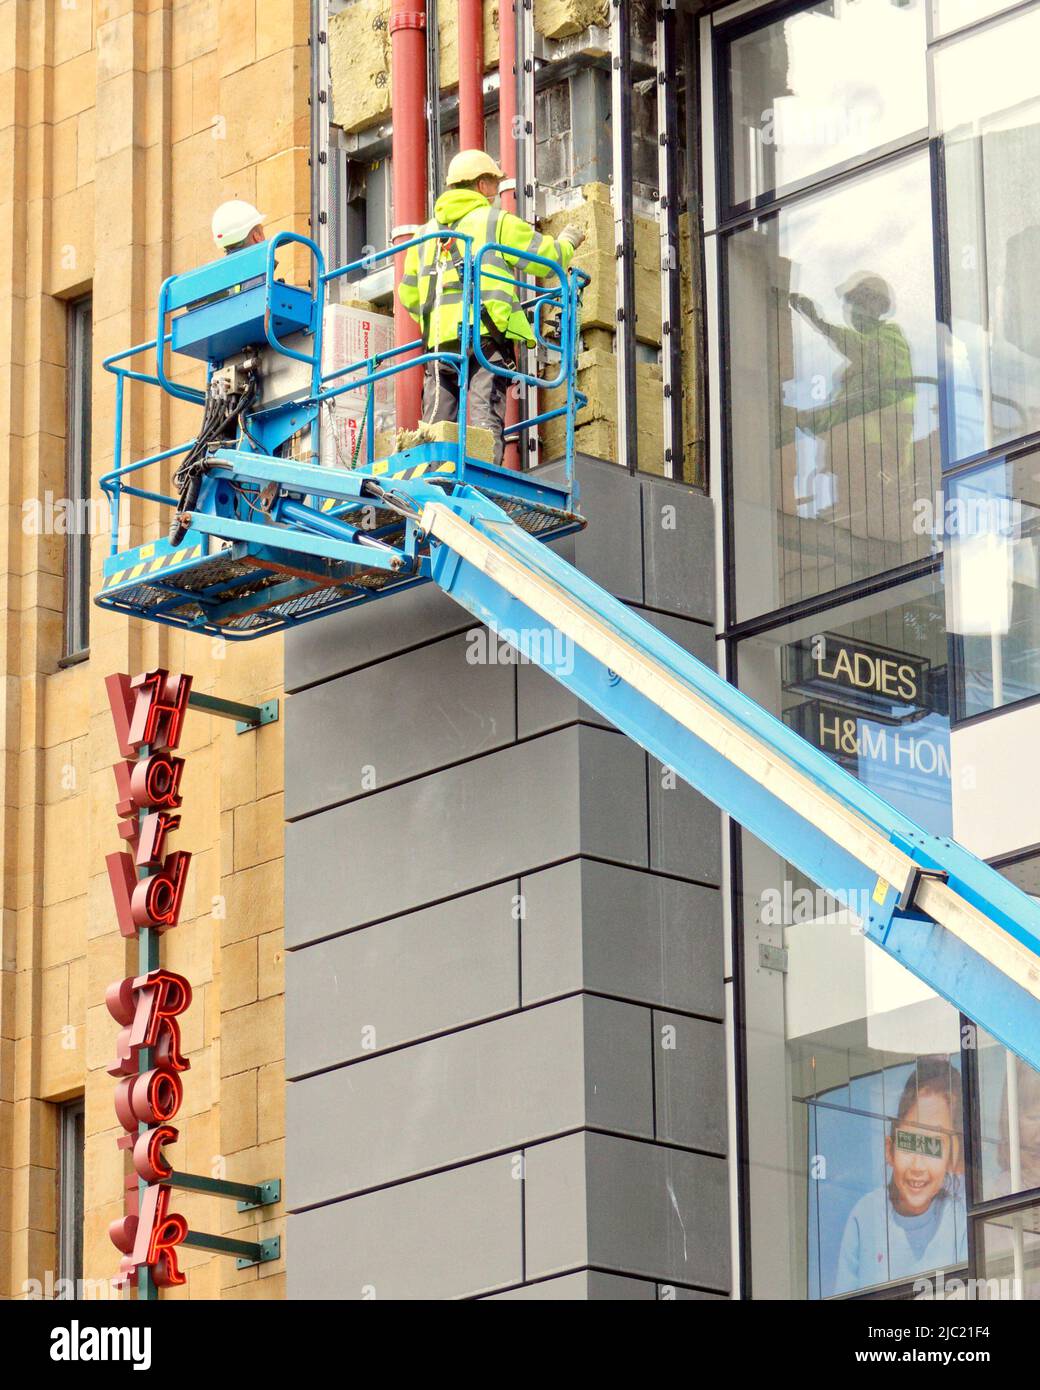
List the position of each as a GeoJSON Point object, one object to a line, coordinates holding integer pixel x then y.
{"type": "Point", "coordinates": [618, 931]}
{"type": "Point", "coordinates": [399, 718]}
{"type": "Point", "coordinates": [658, 1212]}
{"type": "Point", "coordinates": [610, 549]}
{"type": "Point", "coordinates": [493, 1087]}
{"type": "Point", "coordinates": [586, 1285]}
{"type": "Point", "coordinates": [679, 549]}
{"type": "Point", "coordinates": [640, 1209]}
{"type": "Point", "coordinates": [690, 1082]}
{"type": "Point", "coordinates": [403, 979]}
{"type": "Point", "coordinates": [685, 827]}
{"type": "Point", "coordinates": [370, 632]}
{"type": "Point", "coordinates": [542, 703]}
{"type": "Point", "coordinates": [618, 1072]}
{"type": "Point", "coordinates": [445, 1236]}
{"type": "Point", "coordinates": [578, 790]}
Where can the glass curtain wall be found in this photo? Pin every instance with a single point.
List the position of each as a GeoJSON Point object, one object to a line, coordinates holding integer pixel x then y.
{"type": "Point", "coordinates": [987, 124]}
{"type": "Point", "coordinates": [880, 432]}
{"type": "Point", "coordinates": [854, 1145]}
{"type": "Point", "coordinates": [832, 396]}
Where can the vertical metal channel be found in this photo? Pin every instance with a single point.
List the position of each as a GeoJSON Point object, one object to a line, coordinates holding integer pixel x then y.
{"type": "Point", "coordinates": [668, 222]}
{"type": "Point", "coordinates": [433, 105]}
{"type": "Point", "coordinates": [320, 104]}
{"type": "Point", "coordinates": [527, 199]}
{"type": "Point", "coordinates": [624, 233]}
{"type": "Point", "coordinates": [508, 142]}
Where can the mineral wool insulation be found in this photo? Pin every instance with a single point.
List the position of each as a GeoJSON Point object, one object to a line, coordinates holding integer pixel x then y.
{"type": "Point", "coordinates": [359, 49]}
{"type": "Point", "coordinates": [360, 62]}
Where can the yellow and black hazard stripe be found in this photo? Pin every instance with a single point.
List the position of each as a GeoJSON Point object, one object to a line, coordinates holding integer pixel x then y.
{"type": "Point", "coordinates": [147, 565]}
{"type": "Point", "coordinates": [382, 469]}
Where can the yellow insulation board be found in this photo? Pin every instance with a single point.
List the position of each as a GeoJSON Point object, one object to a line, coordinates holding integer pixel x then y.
{"type": "Point", "coordinates": [359, 58]}
{"type": "Point", "coordinates": [595, 427]}
{"type": "Point", "coordinates": [595, 216]}
{"type": "Point", "coordinates": [359, 49]}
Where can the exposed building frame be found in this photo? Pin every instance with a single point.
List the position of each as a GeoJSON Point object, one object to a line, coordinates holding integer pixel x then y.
{"type": "Point", "coordinates": [507, 158]}
{"type": "Point", "coordinates": [433, 104]}
{"type": "Point", "coordinates": [527, 190]}
{"type": "Point", "coordinates": [668, 222]}
{"type": "Point", "coordinates": [320, 101]}
{"type": "Point", "coordinates": [624, 234]}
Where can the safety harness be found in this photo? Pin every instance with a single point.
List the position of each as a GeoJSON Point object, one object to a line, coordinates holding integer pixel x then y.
{"type": "Point", "coordinates": [447, 255]}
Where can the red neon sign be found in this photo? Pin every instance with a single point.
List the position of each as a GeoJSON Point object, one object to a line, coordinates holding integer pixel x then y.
{"type": "Point", "coordinates": [150, 1237]}
{"type": "Point", "coordinates": [148, 712]}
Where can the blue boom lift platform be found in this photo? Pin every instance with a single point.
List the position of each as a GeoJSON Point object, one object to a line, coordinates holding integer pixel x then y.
{"type": "Point", "coordinates": [262, 540]}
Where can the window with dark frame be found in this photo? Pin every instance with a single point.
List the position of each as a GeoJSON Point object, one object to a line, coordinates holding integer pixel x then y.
{"type": "Point", "coordinates": [789, 146]}
{"type": "Point", "coordinates": [77, 478]}
{"type": "Point", "coordinates": [71, 1145]}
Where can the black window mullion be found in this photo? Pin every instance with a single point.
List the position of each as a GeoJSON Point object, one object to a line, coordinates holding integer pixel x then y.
{"type": "Point", "coordinates": [972, 1133]}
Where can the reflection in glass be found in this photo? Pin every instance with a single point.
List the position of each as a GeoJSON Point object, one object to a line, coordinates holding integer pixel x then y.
{"type": "Point", "coordinates": [867, 684]}
{"type": "Point", "coordinates": [950, 15]}
{"type": "Point", "coordinates": [1009, 1255]}
{"type": "Point", "coordinates": [832, 388]}
{"type": "Point", "coordinates": [1009, 1123]}
{"type": "Point", "coordinates": [826, 85]}
{"type": "Point", "coordinates": [915, 1221]}
{"type": "Point", "coordinates": [992, 526]}
{"type": "Point", "coordinates": [854, 1089]}
{"type": "Point", "coordinates": [988, 113]}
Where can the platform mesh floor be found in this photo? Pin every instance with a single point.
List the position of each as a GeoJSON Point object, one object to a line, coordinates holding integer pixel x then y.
{"type": "Point", "coordinates": [223, 570]}
{"type": "Point", "coordinates": [242, 579]}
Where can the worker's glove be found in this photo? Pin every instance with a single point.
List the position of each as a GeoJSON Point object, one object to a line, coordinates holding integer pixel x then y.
{"type": "Point", "coordinates": [572, 234]}
{"type": "Point", "coordinates": [803, 305]}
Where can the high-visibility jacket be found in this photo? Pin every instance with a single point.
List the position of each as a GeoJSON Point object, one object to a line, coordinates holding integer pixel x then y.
{"type": "Point", "coordinates": [431, 286]}
{"type": "Point", "coordinates": [876, 385]}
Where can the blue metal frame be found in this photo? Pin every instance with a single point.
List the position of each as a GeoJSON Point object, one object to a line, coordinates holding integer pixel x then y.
{"type": "Point", "coordinates": [567, 300]}
{"type": "Point", "coordinates": [217, 303]}
{"type": "Point", "coordinates": [266, 515]}
{"type": "Point", "coordinates": [219, 278]}
{"type": "Point", "coordinates": [969, 981]}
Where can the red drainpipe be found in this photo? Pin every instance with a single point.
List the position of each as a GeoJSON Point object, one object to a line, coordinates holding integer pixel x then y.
{"type": "Point", "coordinates": [471, 75]}
{"type": "Point", "coordinates": [408, 85]}
{"type": "Point", "coordinates": [507, 159]}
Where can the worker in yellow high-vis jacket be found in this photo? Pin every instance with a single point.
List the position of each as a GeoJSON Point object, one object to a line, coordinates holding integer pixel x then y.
{"type": "Point", "coordinates": [431, 289]}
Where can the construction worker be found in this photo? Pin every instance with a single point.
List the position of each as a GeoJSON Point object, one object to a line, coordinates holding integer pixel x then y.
{"type": "Point", "coordinates": [431, 289]}
{"type": "Point", "coordinates": [237, 225]}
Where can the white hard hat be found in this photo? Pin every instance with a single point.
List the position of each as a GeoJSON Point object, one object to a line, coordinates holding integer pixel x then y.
{"type": "Point", "coordinates": [472, 164]}
{"type": "Point", "coordinates": [233, 221]}
{"type": "Point", "coordinates": [867, 290]}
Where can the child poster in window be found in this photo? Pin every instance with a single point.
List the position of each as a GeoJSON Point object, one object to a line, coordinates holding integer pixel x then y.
{"type": "Point", "coordinates": [887, 1204]}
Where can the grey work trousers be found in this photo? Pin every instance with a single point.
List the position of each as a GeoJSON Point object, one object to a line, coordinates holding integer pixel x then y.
{"type": "Point", "coordinates": [486, 390]}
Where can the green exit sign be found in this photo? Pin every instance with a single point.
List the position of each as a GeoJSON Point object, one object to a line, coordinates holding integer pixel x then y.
{"type": "Point", "coordinates": [929, 1145]}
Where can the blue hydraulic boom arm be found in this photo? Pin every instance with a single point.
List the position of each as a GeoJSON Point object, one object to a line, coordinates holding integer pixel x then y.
{"type": "Point", "coordinates": [271, 540]}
